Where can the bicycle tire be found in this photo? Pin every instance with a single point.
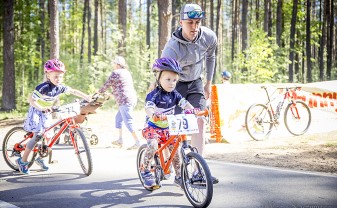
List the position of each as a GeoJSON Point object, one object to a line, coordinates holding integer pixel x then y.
{"type": "Point", "coordinates": [297, 125]}
{"type": "Point", "coordinates": [198, 192]}
{"type": "Point", "coordinates": [140, 159]}
{"type": "Point", "coordinates": [82, 151]}
{"type": "Point", "coordinates": [12, 137]}
{"type": "Point", "coordinates": [258, 122]}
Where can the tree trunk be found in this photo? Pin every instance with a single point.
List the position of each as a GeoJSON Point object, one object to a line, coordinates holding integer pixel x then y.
{"type": "Point", "coordinates": [96, 28]}
{"type": "Point", "coordinates": [257, 12]}
{"type": "Point", "coordinates": [330, 23]}
{"type": "Point", "coordinates": [244, 24]}
{"type": "Point", "coordinates": [86, 3]}
{"type": "Point", "coordinates": [89, 32]}
{"type": "Point", "coordinates": [308, 44]}
{"type": "Point", "coordinates": [270, 22]}
{"type": "Point", "coordinates": [42, 35]}
{"type": "Point", "coordinates": [292, 40]}
{"type": "Point", "coordinates": [8, 84]}
{"type": "Point", "coordinates": [54, 29]}
{"type": "Point", "coordinates": [164, 27]}
{"type": "Point", "coordinates": [322, 41]}
{"type": "Point", "coordinates": [279, 22]}
{"type": "Point", "coordinates": [234, 25]}
{"type": "Point", "coordinates": [122, 12]}
{"type": "Point", "coordinates": [265, 17]}
{"type": "Point", "coordinates": [211, 23]}
{"type": "Point", "coordinates": [148, 23]}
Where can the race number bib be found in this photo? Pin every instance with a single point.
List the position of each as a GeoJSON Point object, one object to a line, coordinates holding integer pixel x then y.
{"type": "Point", "coordinates": [182, 124]}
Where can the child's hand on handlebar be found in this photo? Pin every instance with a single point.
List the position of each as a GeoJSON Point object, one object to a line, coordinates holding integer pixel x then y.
{"type": "Point", "coordinates": [158, 116]}
{"type": "Point", "coordinates": [192, 111]}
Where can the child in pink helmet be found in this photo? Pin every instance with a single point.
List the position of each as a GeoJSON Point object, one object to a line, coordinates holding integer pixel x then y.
{"type": "Point", "coordinates": [41, 101]}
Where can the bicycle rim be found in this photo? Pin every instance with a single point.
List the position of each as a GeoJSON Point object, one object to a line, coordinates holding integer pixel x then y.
{"type": "Point", "coordinates": [82, 151]}
{"type": "Point", "coordinates": [297, 118]}
{"type": "Point", "coordinates": [258, 122]}
{"type": "Point", "coordinates": [140, 166]}
{"type": "Point", "coordinates": [14, 136]}
{"type": "Point", "coordinates": [197, 180]}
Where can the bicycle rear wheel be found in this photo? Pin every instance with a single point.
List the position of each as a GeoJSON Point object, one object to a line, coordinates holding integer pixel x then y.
{"type": "Point", "coordinates": [297, 118]}
{"type": "Point", "coordinates": [197, 180]}
{"type": "Point", "coordinates": [82, 150]}
{"type": "Point", "coordinates": [258, 122]}
{"type": "Point", "coordinates": [12, 149]}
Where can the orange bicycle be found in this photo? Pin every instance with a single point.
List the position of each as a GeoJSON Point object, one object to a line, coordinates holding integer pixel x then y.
{"type": "Point", "coordinates": [199, 190]}
{"type": "Point", "coordinates": [16, 139]}
{"type": "Point", "coordinates": [261, 118]}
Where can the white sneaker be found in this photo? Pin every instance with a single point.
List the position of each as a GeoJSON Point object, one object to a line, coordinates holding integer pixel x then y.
{"type": "Point", "coordinates": [135, 146]}
{"type": "Point", "coordinates": [118, 143]}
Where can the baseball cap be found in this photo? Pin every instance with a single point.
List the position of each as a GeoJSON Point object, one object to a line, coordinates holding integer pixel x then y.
{"type": "Point", "coordinates": [191, 11]}
{"type": "Point", "coordinates": [121, 61]}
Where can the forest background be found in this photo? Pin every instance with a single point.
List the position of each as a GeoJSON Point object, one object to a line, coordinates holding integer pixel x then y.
{"type": "Point", "coordinates": [259, 41]}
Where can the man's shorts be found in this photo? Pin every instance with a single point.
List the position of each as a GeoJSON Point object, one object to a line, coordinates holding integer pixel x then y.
{"type": "Point", "coordinates": [193, 92]}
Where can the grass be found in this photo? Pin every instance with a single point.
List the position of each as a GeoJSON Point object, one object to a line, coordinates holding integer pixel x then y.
{"type": "Point", "coordinates": [4, 115]}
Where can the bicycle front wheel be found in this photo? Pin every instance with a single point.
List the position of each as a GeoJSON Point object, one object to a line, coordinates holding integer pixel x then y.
{"type": "Point", "coordinates": [14, 145]}
{"type": "Point", "coordinates": [82, 150]}
{"type": "Point", "coordinates": [197, 180]}
{"type": "Point", "coordinates": [258, 122]}
{"type": "Point", "coordinates": [297, 117]}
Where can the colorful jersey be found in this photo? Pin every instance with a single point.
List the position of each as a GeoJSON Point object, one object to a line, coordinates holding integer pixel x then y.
{"type": "Point", "coordinates": [46, 93]}
{"type": "Point", "coordinates": [165, 103]}
{"type": "Point", "coordinates": [123, 90]}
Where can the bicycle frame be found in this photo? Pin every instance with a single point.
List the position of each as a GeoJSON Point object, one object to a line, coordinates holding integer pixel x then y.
{"type": "Point", "coordinates": [166, 165]}
{"type": "Point", "coordinates": [289, 95]}
{"type": "Point", "coordinates": [68, 122]}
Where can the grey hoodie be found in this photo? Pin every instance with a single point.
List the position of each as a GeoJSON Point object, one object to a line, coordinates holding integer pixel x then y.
{"type": "Point", "coordinates": [191, 55]}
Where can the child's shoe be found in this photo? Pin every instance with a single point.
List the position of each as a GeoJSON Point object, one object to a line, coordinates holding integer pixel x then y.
{"type": "Point", "coordinates": [23, 166]}
{"type": "Point", "coordinates": [178, 181]}
{"type": "Point", "coordinates": [149, 180]}
{"type": "Point", "coordinates": [40, 162]}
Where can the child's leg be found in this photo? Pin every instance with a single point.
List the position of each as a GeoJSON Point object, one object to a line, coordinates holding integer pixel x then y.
{"type": "Point", "coordinates": [175, 161]}
{"type": "Point", "coordinates": [30, 145]}
{"type": "Point", "coordinates": [152, 146]}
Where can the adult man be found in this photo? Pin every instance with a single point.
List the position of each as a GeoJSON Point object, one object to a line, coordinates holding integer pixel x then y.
{"type": "Point", "coordinates": [192, 45]}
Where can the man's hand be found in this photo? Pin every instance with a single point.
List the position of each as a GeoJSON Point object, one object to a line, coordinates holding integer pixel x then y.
{"type": "Point", "coordinates": [207, 89]}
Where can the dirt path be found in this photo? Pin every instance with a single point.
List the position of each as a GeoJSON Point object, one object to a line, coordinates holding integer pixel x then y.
{"type": "Point", "coordinates": [314, 152]}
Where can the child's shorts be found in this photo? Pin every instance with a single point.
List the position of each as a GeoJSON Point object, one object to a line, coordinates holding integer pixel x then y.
{"type": "Point", "coordinates": [152, 132]}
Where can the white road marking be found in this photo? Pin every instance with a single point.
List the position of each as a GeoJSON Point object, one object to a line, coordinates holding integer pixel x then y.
{"type": "Point", "coordinates": [7, 205]}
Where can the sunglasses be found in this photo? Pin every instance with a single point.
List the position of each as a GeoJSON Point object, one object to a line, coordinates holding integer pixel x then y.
{"type": "Point", "coordinates": [195, 14]}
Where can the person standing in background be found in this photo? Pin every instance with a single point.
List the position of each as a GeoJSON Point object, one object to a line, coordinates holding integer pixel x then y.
{"type": "Point", "coordinates": [226, 76]}
{"type": "Point", "coordinates": [121, 83]}
{"type": "Point", "coordinates": [192, 45]}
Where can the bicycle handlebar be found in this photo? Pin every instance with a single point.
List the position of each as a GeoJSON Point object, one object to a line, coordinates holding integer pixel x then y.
{"type": "Point", "coordinates": [164, 117]}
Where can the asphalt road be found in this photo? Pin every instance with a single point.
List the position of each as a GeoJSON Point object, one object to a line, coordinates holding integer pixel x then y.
{"type": "Point", "coordinates": [115, 183]}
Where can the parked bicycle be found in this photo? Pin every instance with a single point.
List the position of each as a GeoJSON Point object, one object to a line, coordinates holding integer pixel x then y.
{"type": "Point", "coordinates": [195, 173]}
{"type": "Point", "coordinates": [261, 118]}
{"type": "Point", "coordinates": [72, 115]}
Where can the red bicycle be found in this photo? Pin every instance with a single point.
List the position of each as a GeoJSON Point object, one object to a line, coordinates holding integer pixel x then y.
{"type": "Point", "coordinates": [261, 118]}
{"type": "Point", "coordinates": [16, 139]}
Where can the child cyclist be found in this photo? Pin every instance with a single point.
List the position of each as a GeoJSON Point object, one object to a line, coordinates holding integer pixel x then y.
{"type": "Point", "coordinates": [41, 101]}
{"type": "Point", "coordinates": [162, 101]}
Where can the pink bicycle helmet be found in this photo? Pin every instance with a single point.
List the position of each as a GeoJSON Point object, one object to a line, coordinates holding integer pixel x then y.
{"type": "Point", "coordinates": [54, 65]}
